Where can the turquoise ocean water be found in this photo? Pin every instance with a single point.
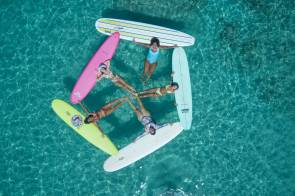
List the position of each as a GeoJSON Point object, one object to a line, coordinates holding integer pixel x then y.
{"type": "Point", "coordinates": [242, 140]}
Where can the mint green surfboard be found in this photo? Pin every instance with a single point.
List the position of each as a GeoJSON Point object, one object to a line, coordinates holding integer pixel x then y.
{"type": "Point", "coordinates": [183, 95]}
{"type": "Point", "coordinates": [74, 119]}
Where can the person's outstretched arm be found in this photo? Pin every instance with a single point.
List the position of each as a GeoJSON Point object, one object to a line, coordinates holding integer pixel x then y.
{"type": "Point", "coordinates": [167, 47]}
{"type": "Point", "coordinates": [109, 108]}
{"type": "Point", "coordinates": [142, 44]}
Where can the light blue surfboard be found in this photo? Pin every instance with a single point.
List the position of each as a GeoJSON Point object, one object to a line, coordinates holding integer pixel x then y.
{"type": "Point", "coordinates": [183, 95]}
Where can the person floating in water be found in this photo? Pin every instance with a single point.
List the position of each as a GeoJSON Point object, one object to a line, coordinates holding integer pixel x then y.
{"type": "Point", "coordinates": [151, 60]}
{"type": "Point", "coordinates": [144, 117]}
{"type": "Point", "coordinates": [105, 110]}
{"type": "Point", "coordinates": [116, 79]}
{"type": "Point", "coordinates": [159, 91]}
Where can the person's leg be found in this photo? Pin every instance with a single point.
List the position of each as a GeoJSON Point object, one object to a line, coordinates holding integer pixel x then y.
{"type": "Point", "coordinates": [143, 110]}
{"type": "Point", "coordinates": [149, 93]}
{"type": "Point", "coordinates": [123, 84]}
{"type": "Point", "coordinates": [151, 71]}
{"type": "Point", "coordinates": [136, 111]}
{"type": "Point", "coordinates": [146, 69]}
{"type": "Point", "coordinates": [112, 106]}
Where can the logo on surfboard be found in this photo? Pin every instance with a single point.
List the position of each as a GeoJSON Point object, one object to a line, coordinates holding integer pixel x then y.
{"type": "Point", "coordinates": [186, 110]}
{"type": "Point", "coordinates": [121, 158]}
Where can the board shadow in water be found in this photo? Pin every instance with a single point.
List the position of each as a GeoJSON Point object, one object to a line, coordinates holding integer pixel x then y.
{"type": "Point", "coordinates": [69, 83]}
{"type": "Point", "coordinates": [91, 102]}
{"type": "Point", "coordinates": [138, 17]}
{"type": "Point", "coordinates": [94, 101]}
{"type": "Point", "coordinates": [121, 67]}
{"type": "Point", "coordinates": [159, 111]}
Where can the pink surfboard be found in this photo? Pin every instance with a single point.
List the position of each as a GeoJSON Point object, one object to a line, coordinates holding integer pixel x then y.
{"type": "Point", "coordinates": [87, 79]}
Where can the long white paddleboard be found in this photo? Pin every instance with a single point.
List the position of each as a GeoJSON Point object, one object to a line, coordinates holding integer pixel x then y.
{"type": "Point", "coordinates": [142, 147]}
{"type": "Point", "coordinates": [143, 33]}
{"type": "Point", "coordinates": [183, 95]}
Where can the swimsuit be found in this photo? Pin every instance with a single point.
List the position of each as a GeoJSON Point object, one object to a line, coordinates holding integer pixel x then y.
{"type": "Point", "coordinates": [145, 120]}
{"type": "Point", "coordinates": [101, 113]}
{"type": "Point", "coordinates": [152, 57]}
{"type": "Point", "coordinates": [159, 91]}
{"type": "Point", "coordinates": [167, 91]}
{"type": "Point", "coordinates": [148, 122]}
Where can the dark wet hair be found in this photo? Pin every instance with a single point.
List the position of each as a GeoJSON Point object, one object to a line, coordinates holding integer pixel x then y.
{"type": "Point", "coordinates": [87, 119]}
{"type": "Point", "coordinates": [155, 40]}
{"type": "Point", "coordinates": [175, 84]}
{"type": "Point", "coordinates": [152, 130]}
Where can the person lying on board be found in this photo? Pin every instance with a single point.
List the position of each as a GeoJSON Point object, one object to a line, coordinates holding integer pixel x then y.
{"type": "Point", "coordinates": [159, 91]}
{"type": "Point", "coordinates": [105, 110]}
{"type": "Point", "coordinates": [116, 79]}
{"type": "Point", "coordinates": [144, 117]}
{"type": "Point", "coordinates": [151, 61]}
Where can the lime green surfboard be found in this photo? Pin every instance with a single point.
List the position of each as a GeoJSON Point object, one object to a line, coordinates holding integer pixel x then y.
{"type": "Point", "coordinates": [90, 132]}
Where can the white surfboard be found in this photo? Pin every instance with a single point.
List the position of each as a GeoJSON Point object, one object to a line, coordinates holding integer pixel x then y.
{"type": "Point", "coordinates": [183, 95]}
{"type": "Point", "coordinates": [143, 33]}
{"type": "Point", "coordinates": [142, 147]}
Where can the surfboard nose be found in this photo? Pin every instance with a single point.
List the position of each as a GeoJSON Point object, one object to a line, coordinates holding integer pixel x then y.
{"type": "Point", "coordinates": [97, 24]}
{"type": "Point", "coordinates": [75, 97]}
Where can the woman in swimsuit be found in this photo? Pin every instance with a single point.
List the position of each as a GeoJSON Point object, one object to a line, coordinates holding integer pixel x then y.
{"type": "Point", "coordinates": [151, 60]}
{"type": "Point", "coordinates": [105, 110]}
{"type": "Point", "coordinates": [144, 117]}
{"type": "Point", "coordinates": [160, 91]}
{"type": "Point", "coordinates": [116, 79]}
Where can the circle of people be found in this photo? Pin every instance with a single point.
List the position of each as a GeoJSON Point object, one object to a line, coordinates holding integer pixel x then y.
{"type": "Point", "coordinates": [143, 115]}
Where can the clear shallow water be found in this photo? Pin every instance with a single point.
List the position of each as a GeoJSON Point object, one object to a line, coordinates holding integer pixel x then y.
{"type": "Point", "coordinates": [242, 140]}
